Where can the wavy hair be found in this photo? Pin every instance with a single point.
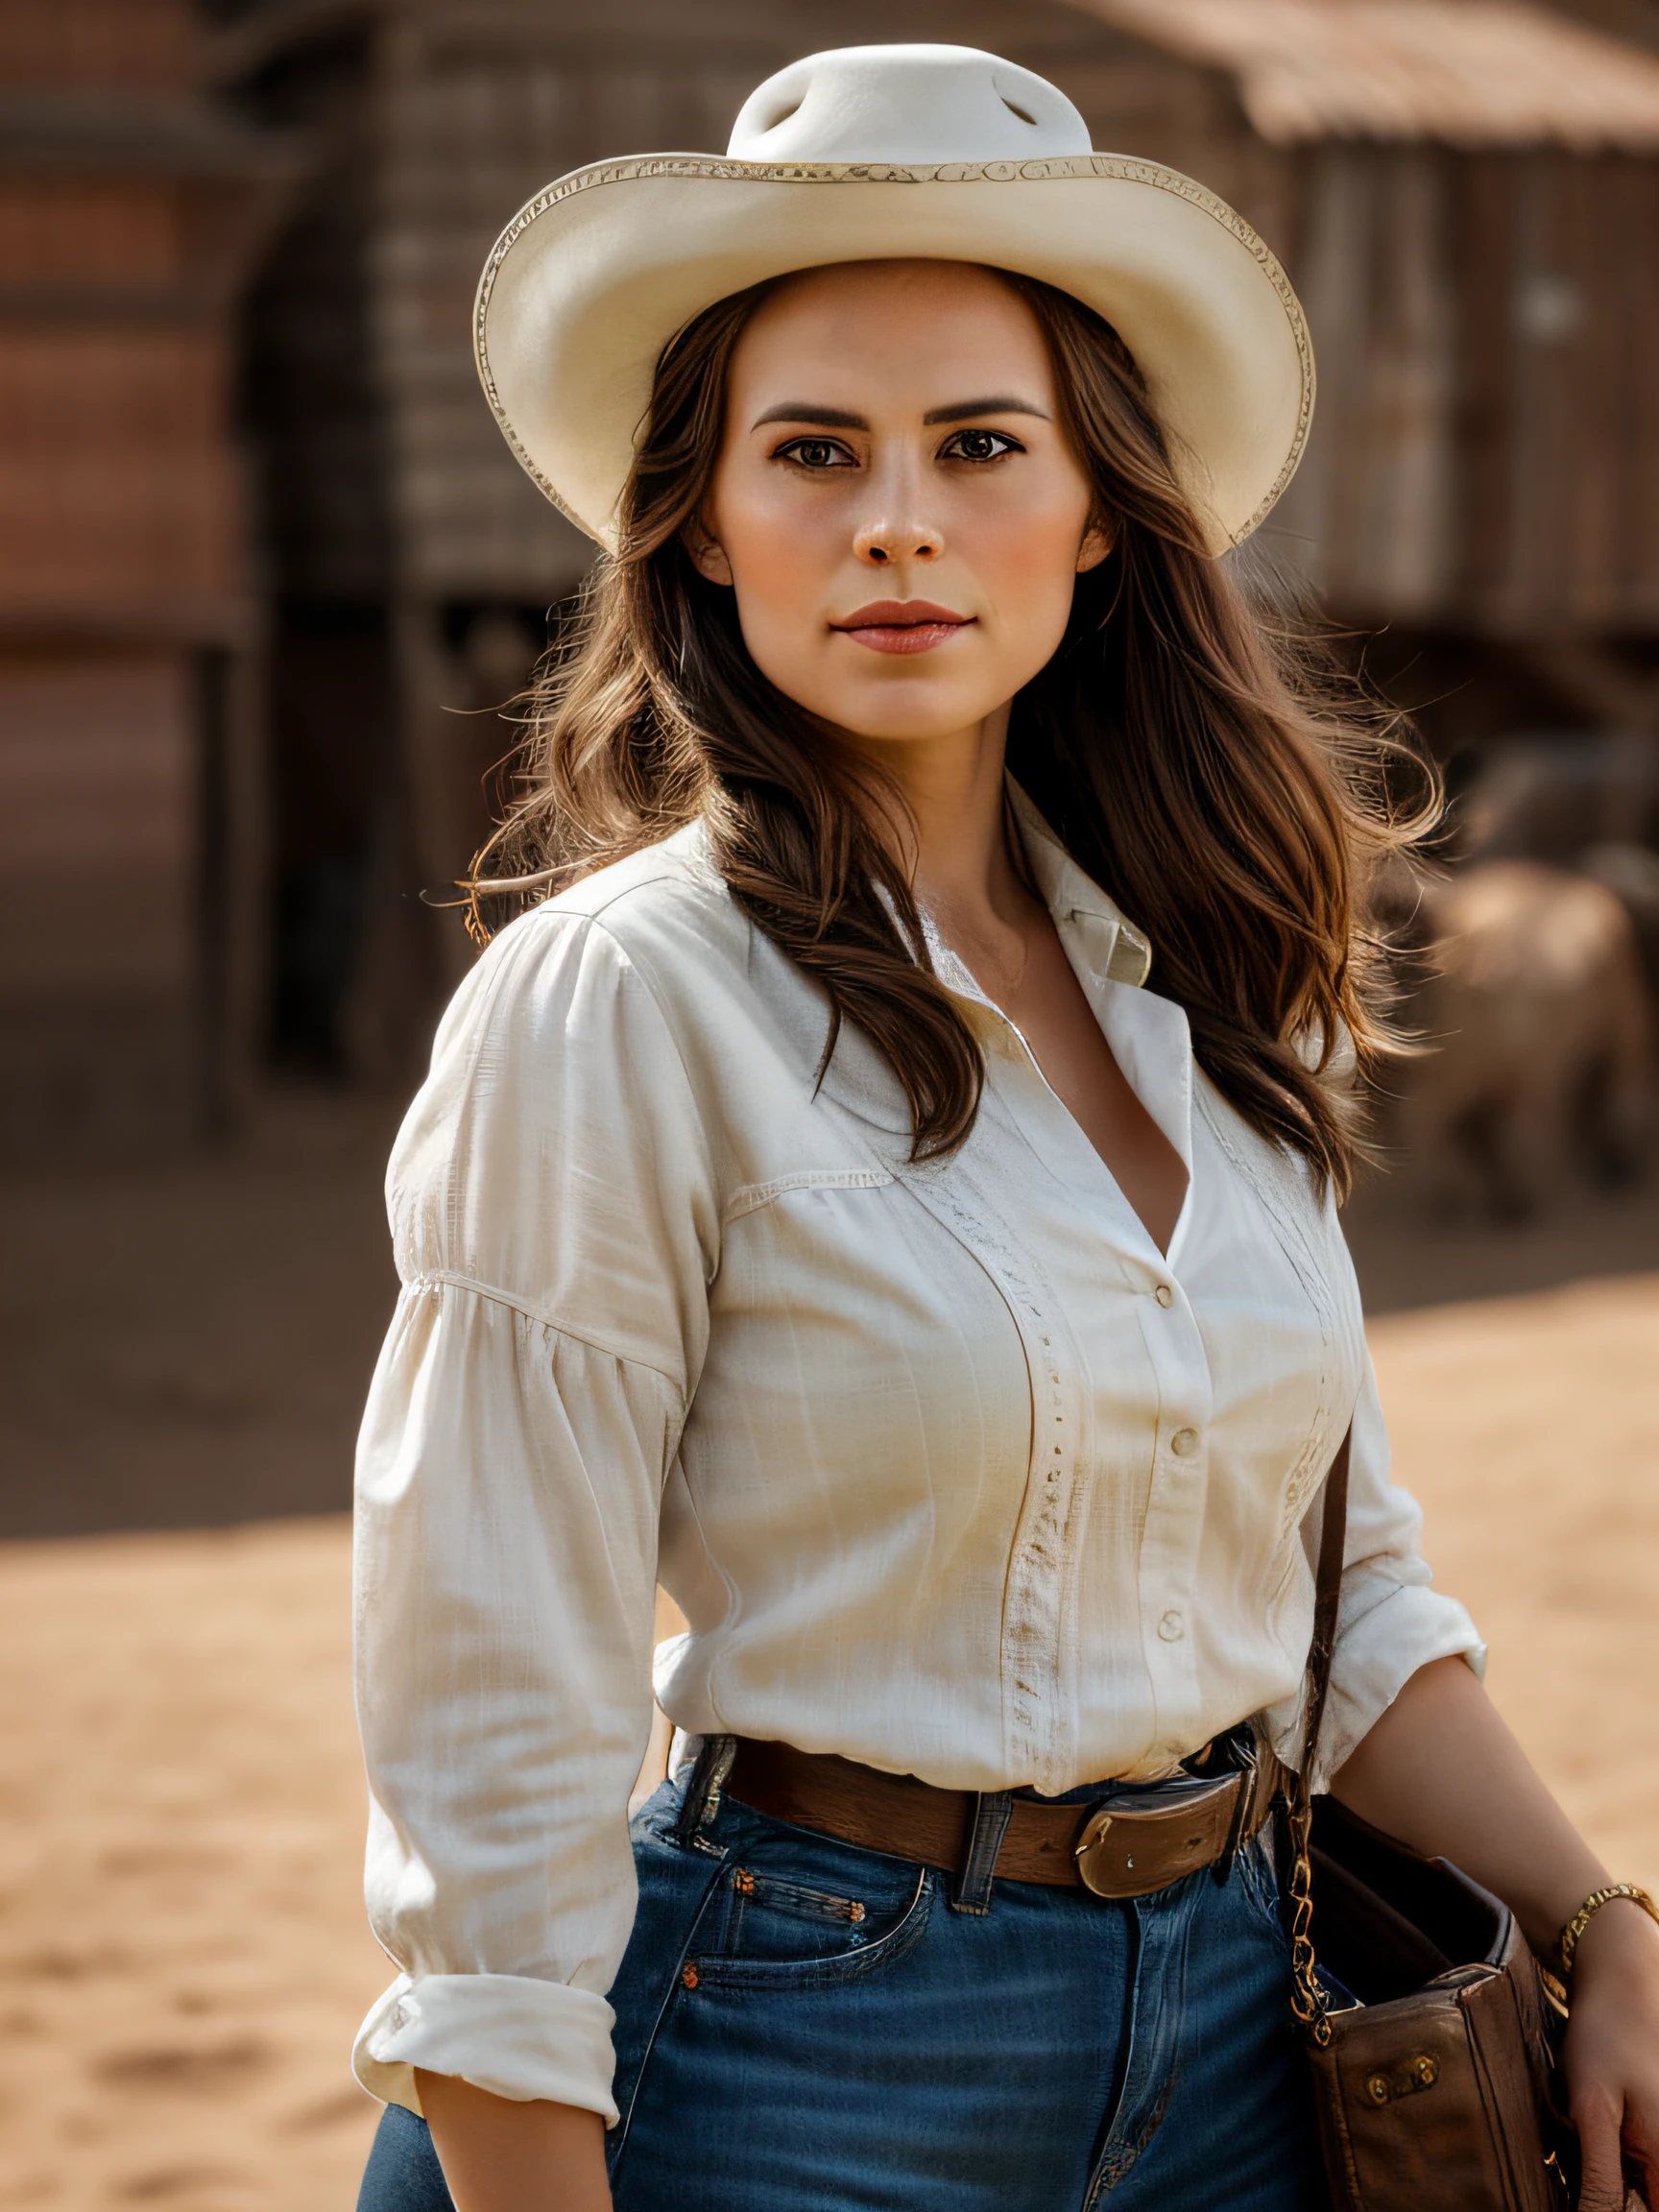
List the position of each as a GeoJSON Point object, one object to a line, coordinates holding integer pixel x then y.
{"type": "Point", "coordinates": [1194, 755]}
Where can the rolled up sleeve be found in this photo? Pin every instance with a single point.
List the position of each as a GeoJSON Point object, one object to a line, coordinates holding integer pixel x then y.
{"type": "Point", "coordinates": [1392, 1620]}
{"type": "Point", "coordinates": [552, 1222]}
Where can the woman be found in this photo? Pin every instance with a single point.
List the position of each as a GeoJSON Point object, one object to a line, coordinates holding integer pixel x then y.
{"type": "Point", "coordinates": [832, 1204]}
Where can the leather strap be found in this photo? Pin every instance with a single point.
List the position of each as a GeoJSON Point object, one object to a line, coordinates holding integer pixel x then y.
{"type": "Point", "coordinates": [1135, 1842]}
{"type": "Point", "coordinates": [1327, 1601]}
{"type": "Point", "coordinates": [1309, 2000]}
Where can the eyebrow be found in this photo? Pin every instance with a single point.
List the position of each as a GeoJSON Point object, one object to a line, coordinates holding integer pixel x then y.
{"type": "Point", "coordinates": [838, 419]}
{"type": "Point", "coordinates": [967, 408]}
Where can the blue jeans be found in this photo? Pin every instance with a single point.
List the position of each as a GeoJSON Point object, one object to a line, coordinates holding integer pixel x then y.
{"type": "Point", "coordinates": [803, 2026]}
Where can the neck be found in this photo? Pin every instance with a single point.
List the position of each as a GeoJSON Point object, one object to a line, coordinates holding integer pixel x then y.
{"type": "Point", "coordinates": [953, 845]}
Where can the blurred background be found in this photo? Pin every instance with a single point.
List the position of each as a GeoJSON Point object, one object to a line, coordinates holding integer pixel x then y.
{"type": "Point", "coordinates": [267, 574]}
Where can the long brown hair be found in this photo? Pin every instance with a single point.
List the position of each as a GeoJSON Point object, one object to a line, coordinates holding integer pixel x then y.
{"type": "Point", "coordinates": [1186, 749]}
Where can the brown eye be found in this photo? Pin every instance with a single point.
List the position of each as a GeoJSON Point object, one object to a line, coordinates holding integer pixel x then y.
{"type": "Point", "coordinates": [816, 453]}
{"type": "Point", "coordinates": [979, 446]}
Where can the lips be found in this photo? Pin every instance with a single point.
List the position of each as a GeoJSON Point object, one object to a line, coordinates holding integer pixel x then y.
{"type": "Point", "coordinates": [902, 625]}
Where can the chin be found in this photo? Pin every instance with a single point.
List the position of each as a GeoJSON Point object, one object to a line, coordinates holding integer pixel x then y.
{"type": "Point", "coordinates": [879, 728]}
{"type": "Point", "coordinates": [907, 711]}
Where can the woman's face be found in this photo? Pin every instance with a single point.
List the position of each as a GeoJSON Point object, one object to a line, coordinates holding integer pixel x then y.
{"type": "Point", "coordinates": [895, 503]}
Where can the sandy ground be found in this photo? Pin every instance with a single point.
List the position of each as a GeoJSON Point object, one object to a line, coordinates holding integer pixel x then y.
{"type": "Point", "coordinates": [182, 1951]}
{"type": "Point", "coordinates": [182, 1956]}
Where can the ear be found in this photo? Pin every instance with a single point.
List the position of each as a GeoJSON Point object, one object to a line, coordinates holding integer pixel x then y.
{"type": "Point", "coordinates": [708, 554]}
{"type": "Point", "coordinates": [1099, 540]}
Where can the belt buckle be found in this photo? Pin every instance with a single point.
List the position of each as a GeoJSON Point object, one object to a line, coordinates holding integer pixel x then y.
{"type": "Point", "coordinates": [1106, 1862]}
{"type": "Point", "coordinates": [1089, 1851]}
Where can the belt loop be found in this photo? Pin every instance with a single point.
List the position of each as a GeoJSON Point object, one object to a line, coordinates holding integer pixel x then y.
{"type": "Point", "coordinates": [703, 1787]}
{"type": "Point", "coordinates": [971, 1890]}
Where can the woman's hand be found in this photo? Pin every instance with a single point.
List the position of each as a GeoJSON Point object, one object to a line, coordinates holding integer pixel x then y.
{"type": "Point", "coordinates": [1612, 2056]}
{"type": "Point", "coordinates": [501, 2156]}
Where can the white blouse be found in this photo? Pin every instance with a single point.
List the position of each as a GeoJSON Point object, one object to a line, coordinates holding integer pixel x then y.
{"type": "Point", "coordinates": [949, 1468]}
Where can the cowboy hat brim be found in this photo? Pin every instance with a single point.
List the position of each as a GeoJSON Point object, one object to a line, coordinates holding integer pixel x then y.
{"type": "Point", "coordinates": [594, 276]}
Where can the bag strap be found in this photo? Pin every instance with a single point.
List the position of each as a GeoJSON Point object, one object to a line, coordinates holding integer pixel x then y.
{"type": "Point", "coordinates": [1308, 1998]}
{"type": "Point", "coordinates": [1326, 1599]}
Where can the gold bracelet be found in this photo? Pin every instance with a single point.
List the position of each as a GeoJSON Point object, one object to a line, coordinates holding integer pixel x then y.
{"type": "Point", "coordinates": [1592, 1905]}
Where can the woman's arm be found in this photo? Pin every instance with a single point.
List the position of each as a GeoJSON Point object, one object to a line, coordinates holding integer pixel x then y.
{"type": "Point", "coordinates": [1442, 1772]}
{"type": "Point", "coordinates": [499, 2156]}
{"type": "Point", "coordinates": [556, 1224]}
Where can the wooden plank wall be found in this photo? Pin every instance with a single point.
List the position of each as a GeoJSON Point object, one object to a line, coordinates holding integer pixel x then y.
{"type": "Point", "coordinates": [142, 46]}
{"type": "Point", "coordinates": [125, 786]}
{"type": "Point", "coordinates": [313, 390]}
{"type": "Point", "coordinates": [119, 505]}
{"type": "Point", "coordinates": [1563, 531]}
{"type": "Point", "coordinates": [100, 1037]}
{"type": "Point", "coordinates": [1369, 514]}
{"type": "Point", "coordinates": [119, 502]}
{"type": "Point", "coordinates": [1486, 450]}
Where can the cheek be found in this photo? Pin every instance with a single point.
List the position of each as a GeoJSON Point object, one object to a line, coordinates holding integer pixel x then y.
{"type": "Point", "coordinates": [778, 550]}
{"type": "Point", "coordinates": [1027, 556]}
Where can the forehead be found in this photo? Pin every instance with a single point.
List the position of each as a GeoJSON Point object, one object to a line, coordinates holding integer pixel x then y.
{"type": "Point", "coordinates": [910, 326]}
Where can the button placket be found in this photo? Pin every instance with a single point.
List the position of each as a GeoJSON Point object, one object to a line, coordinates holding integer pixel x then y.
{"type": "Point", "coordinates": [1040, 1565]}
{"type": "Point", "coordinates": [1034, 1574]}
{"type": "Point", "coordinates": [1168, 1559]}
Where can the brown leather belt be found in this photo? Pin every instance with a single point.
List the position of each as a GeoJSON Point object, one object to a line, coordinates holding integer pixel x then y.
{"type": "Point", "coordinates": [1124, 1843]}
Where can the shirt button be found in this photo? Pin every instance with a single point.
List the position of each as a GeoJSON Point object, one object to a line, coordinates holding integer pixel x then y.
{"type": "Point", "coordinates": [1163, 1294]}
{"type": "Point", "coordinates": [1184, 1443]}
{"type": "Point", "coordinates": [1172, 1627]}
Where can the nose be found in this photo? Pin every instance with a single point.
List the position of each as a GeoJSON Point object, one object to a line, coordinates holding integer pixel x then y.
{"type": "Point", "coordinates": [882, 544]}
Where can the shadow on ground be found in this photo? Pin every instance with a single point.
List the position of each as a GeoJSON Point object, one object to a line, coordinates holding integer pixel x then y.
{"type": "Point", "coordinates": [189, 1345]}
{"type": "Point", "coordinates": [1407, 1258]}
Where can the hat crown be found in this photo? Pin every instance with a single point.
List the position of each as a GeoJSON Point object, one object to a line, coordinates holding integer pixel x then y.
{"type": "Point", "coordinates": [912, 105]}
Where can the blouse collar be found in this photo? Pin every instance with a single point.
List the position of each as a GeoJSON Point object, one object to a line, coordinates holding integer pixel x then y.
{"type": "Point", "coordinates": [1101, 943]}
{"type": "Point", "coordinates": [1114, 948]}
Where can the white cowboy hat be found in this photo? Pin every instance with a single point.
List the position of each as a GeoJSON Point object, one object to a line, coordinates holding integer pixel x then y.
{"type": "Point", "coordinates": [878, 152]}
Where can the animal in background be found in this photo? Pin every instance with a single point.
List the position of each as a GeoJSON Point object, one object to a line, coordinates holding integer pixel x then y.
{"type": "Point", "coordinates": [1548, 798]}
{"type": "Point", "coordinates": [1631, 873]}
{"type": "Point", "coordinates": [1537, 1023]}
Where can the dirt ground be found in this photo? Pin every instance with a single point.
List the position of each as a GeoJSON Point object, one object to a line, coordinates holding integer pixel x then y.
{"type": "Point", "coordinates": [182, 1954]}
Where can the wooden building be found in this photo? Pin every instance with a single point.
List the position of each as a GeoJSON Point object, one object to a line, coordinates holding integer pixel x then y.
{"type": "Point", "coordinates": [1466, 193]}
{"type": "Point", "coordinates": [128, 208]}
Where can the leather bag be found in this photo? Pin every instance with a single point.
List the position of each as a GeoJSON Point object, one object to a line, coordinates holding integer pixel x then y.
{"type": "Point", "coordinates": [1432, 2034]}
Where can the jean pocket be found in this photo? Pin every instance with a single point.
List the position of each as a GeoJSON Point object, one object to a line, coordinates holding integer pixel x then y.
{"type": "Point", "coordinates": [808, 1924]}
{"type": "Point", "coordinates": [770, 1917]}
